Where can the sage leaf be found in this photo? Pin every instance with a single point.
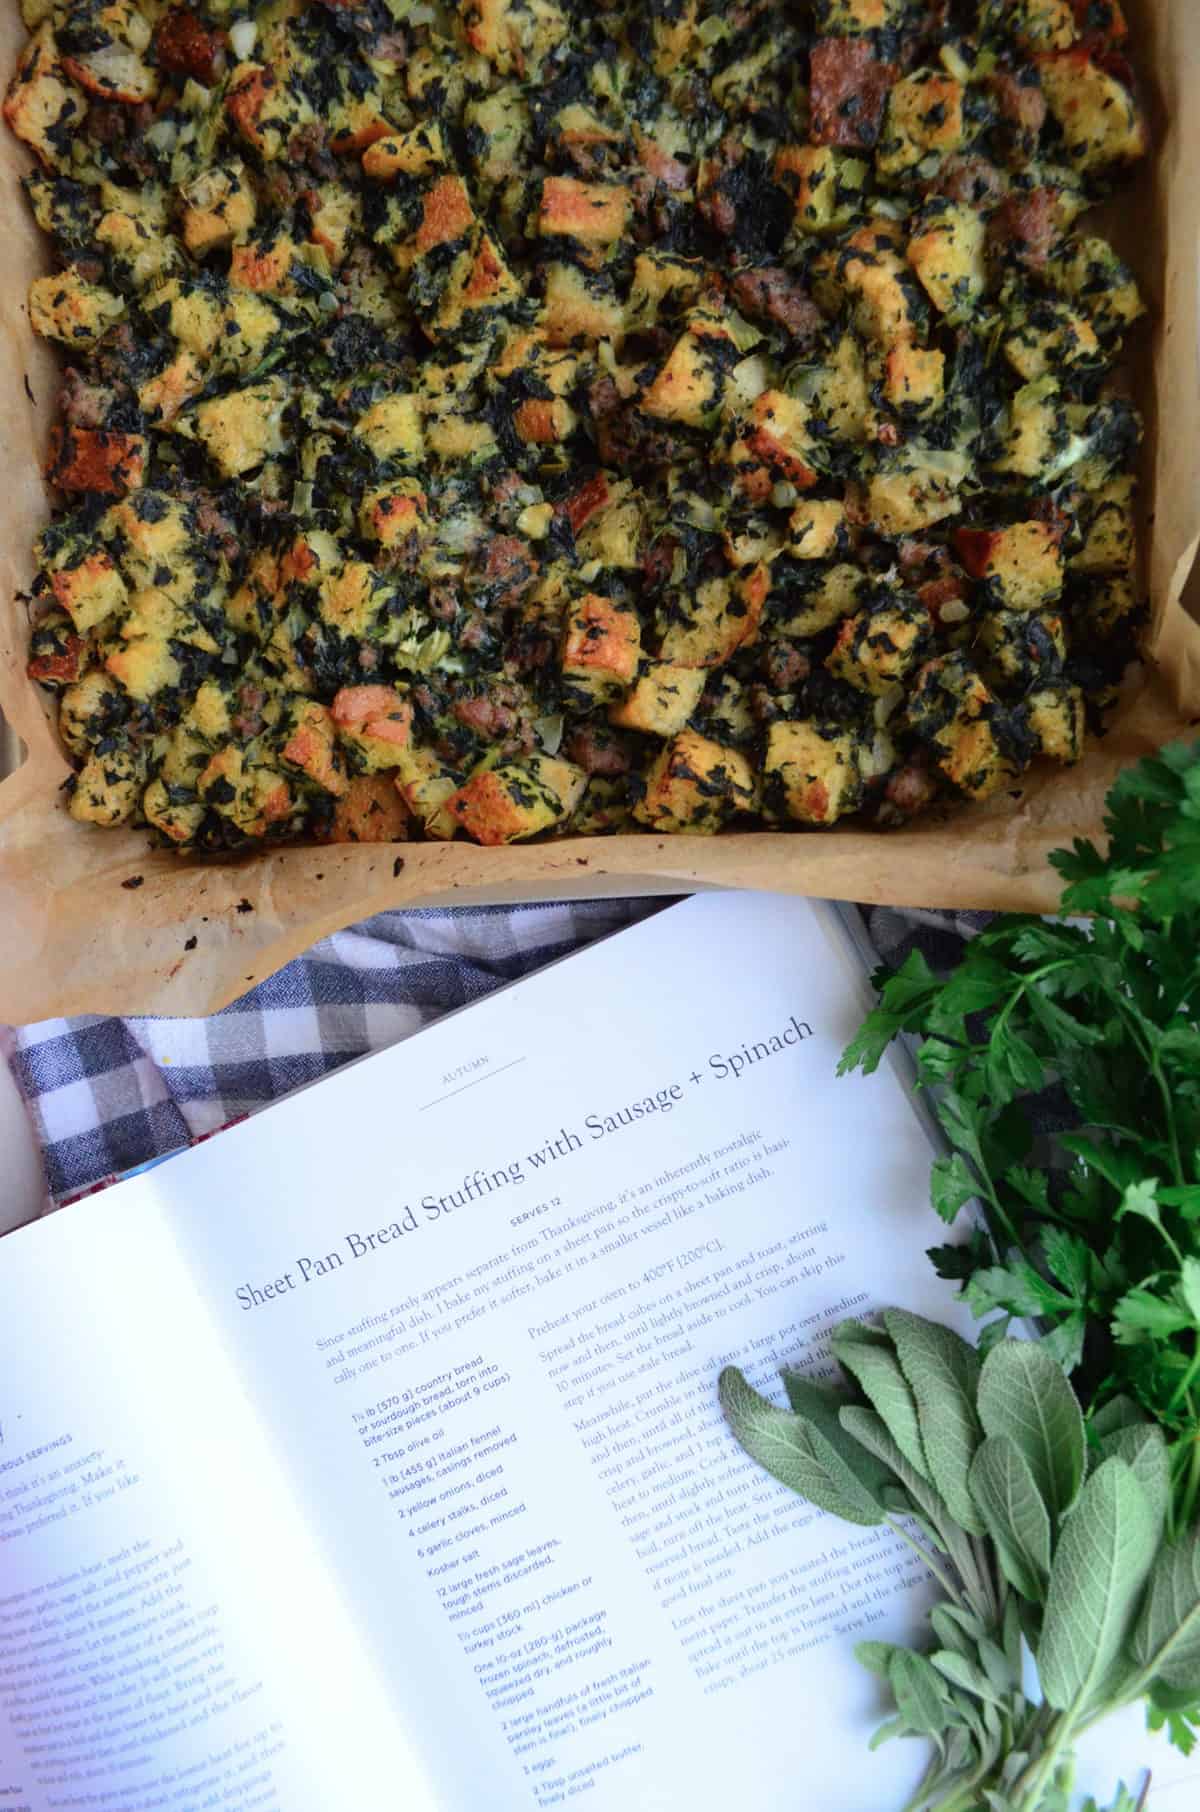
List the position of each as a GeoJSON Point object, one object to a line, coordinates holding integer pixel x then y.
{"type": "Point", "coordinates": [943, 1374]}
{"type": "Point", "coordinates": [1024, 1395]}
{"type": "Point", "coordinates": [796, 1453]}
{"type": "Point", "coordinates": [963, 1672]}
{"type": "Point", "coordinates": [870, 1431]}
{"type": "Point", "coordinates": [861, 1351]}
{"type": "Point", "coordinates": [1104, 1554]}
{"type": "Point", "coordinates": [1144, 1451]}
{"type": "Point", "coordinates": [1016, 1518]}
{"type": "Point", "coordinates": [921, 1698]}
{"type": "Point", "coordinates": [820, 1406]}
{"type": "Point", "coordinates": [876, 1657]}
{"type": "Point", "coordinates": [949, 1633]}
{"type": "Point", "coordinates": [1166, 1641]}
{"type": "Point", "coordinates": [1118, 1412]}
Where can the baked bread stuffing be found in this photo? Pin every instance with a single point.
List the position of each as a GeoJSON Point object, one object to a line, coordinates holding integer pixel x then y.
{"type": "Point", "coordinates": [527, 416]}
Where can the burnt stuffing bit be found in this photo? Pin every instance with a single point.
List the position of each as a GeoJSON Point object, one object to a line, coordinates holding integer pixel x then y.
{"type": "Point", "coordinates": [577, 419]}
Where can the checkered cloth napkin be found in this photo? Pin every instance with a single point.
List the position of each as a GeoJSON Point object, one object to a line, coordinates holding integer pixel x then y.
{"type": "Point", "coordinates": [110, 1095]}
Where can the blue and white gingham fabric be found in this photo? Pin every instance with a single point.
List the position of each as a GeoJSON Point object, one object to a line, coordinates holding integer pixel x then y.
{"type": "Point", "coordinates": [109, 1095]}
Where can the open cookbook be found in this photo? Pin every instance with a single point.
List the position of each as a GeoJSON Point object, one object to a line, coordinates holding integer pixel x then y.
{"type": "Point", "coordinates": [369, 1455]}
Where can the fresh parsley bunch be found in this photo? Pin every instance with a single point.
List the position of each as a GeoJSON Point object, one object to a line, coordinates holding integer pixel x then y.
{"type": "Point", "coordinates": [1045, 1538]}
{"type": "Point", "coordinates": [1097, 1232]}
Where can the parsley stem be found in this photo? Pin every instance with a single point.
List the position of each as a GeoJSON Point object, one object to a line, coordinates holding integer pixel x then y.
{"type": "Point", "coordinates": [1189, 1377]}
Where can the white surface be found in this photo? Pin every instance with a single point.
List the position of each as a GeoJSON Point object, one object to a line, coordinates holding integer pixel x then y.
{"type": "Point", "coordinates": [22, 1188]}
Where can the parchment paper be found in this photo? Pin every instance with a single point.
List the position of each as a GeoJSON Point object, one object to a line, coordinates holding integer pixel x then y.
{"type": "Point", "coordinates": [74, 939]}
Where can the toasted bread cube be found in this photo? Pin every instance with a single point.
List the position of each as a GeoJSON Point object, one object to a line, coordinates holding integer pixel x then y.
{"type": "Point", "coordinates": [924, 114]}
{"type": "Point", "coordinates": [518, 799]}
{"type": "Point", "coordinates": [910, 490]}
{"type": "Point", "coordinates": [1110, 545]}
{"type": "Point", "coordinates": [355, 121]}
{"type": "Point", "coordinates": [512, 35]}
{"type": "Point", "coordinates": [96, 459]}
{"type": "Point", "coordinates": [878, 648]}
{"type": "Point", "coordinates": [914, 378]}
{"type": "Point", "coordinates": [87, 709]}
{"type": "Point", "coordinates": [479, 279]}
{"type": "Point", "coordinates": [194, 315]}
{"type": "Point", "coordinates": [886, 304]}
{"type": "Point", "coordinates": [810, 773]}
{"type": "Point", "coordinates": [846, 18]}
{"type": "Point", "coordinates": [144, 665]}
{"type": "Point", "coordinates": [219, 208]}
{"type": "Point", "coordinates": [1089, 271]}
{"type": "Point", "coordinates": [1100, 120]}
{"type": "Point", "coordinates": [113, 67]}
{"type": "Point", "coordinates": [1041, 25]}
{"type": "Point", "coordinates": [816, 529]}
{"type": "Point", "coordinates": [371, 810]}
{"type": "Point", "coordinates": [1038, 431]}
{"type": "Point", "coordinates": [661, 700]}
{"type": "Point", "coordinates": [427, 786]}
{"type": "Point", "coordinates": [177, 820]}
{"type": "Point", "coordinates": [691, 384]}
{"type": "Point", "coordinates": [263, 265]}
{"type": "Point", "coordinates": [828, 186]}
{"type": "Point", "coordinates": [161, 397]}
{"type": "Point", "coordinates": [311, 747]}
{"type": "Point", "coordinates": [1020, 566]}
{"type": "Point", "coordinates": [446, 214]}
{"type": "Point", "coordinates": [601, 647]}
{"type": "Point", "coordinates": [151, 531]}
{"type": "Point", "coordinates": [108, 789]}
{"type": "Point", "coordinates": [948, 255]}
{"type": "Point", "coordinates": [57, 656]}
{"type": "Point", "coordinates": [335, 214]}
{"type": "Point", "coordinates": [391, 429]}
{"type": "Point", "coordinates": [266, 108]}
{"type": "Point", "coordinates": [577, 306]}
{"type": "Point", "coordinates": [1049, 337]}
{"type": "Point", "coordinates": [595, 215]}
{"type": "Point", "coordinates": [950, 706]}
{"type": "Point", "coordinates": [695, 785]}
{"type": "Point", "coordinates": [350, 599]}
{"type": "Point", "coordinates": [41, 107]}
{"type": "Point", "coordinates": [613, 535]}
{"type": "Point", "coordinates": [419, 152]}
{"type": "Point", "coordinates": [778, 434]}
{"type": "Point", "coordinates": [706, 628]}
{"type": "Point", "coordinates": [543, 421]}
{"type": "Point", "coordinates": [827, 594]}
{"type": "Point", "coordinates": [395, 512]}
{"type": "Point", "coordinates": [242, 428]}
{"type": "Point", "coordinates": [375, 724]}
{"type": "Point", "coordinates": [1021, 646]}
{"type": "Point", "coordinates": [658, 277]}
{"type": "Point", "coordinates": [65, 307]}
{"type": "Point", "coordinates": [1058, 720]}
{"type": "Point", "coordinates": [501, 125]}
{"type": "Point", "coordinates": [140, 254]}
{"type": "Point", "coordinates": [91, 592]}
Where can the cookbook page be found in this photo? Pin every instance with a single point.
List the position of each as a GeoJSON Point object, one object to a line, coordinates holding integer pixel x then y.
{"type": "Point", "coordinates": [482, 1286]}
{"type": "Point", "coordinates": [169, 1639]}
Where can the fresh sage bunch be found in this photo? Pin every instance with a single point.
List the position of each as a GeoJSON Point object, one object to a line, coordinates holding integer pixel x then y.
{"type": "Point", "coordinates": [1045, 1539]}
